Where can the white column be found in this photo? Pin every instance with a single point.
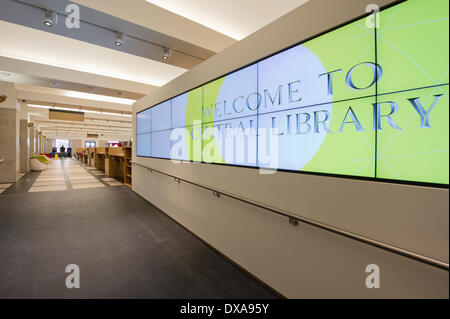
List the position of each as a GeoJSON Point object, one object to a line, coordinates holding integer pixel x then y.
{"type": "Point", "coordinates": [24, 139]}
{"type": "Point", "coordinates": [9, 134]}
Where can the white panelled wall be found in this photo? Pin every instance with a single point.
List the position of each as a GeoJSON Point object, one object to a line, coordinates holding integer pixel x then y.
{"type": "Point", "coordinates": [298, 261]}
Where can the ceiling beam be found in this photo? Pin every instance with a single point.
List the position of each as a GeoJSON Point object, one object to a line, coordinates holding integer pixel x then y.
{"type": "Point", "coordinates": [100, 29]}
{"type": "Point", "coordinates": [36, 94]}
{"type": "Point", "coordinates": [56, 73]}
{"type": "Point", "coordinates": [83, 125]}
{"type": "Point", "coordinates": [29, 44]}
{"type": "Point", "coordinates": [152, 17]}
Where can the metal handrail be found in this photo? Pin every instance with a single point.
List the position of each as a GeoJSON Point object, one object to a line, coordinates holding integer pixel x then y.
{"type": "Point", "coordinates": [293, 217]}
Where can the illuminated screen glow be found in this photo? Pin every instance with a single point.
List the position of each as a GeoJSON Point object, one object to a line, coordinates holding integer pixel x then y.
{"type": "Point", "coordinates": [356, 101]}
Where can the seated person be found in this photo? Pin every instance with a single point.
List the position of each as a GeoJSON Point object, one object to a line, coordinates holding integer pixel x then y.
{"type": "Point", "coordinates": [62, 149]}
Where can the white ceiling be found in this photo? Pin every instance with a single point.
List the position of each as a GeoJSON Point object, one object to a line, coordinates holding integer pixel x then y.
{"type": "Point", "coordinates": [234, 18]}
{"type": "Point", "coordinates": [35, 57]}
{"type": "Point", "coordinates": [52, 95]}
{"type": "Point", "coordinates": [33, 45]}
{"type": "Point", "coordinates": [81, 98]}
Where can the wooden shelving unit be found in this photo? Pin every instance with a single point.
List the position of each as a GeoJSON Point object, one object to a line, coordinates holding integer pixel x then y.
{"type": "Point", "coordinates": [100, 158]}
{"type": "Point", "coordinates": [107, 161]}
{"type": "Point", "coordinates": [116, 163]}
{"type": "Point", "coordinates": [91, 158]}
{"type": "Point", "coordinates": [127, 173]}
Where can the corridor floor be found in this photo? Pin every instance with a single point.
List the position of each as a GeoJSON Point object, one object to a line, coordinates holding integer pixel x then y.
{"type": "Point", "coordinates": [124, 246]}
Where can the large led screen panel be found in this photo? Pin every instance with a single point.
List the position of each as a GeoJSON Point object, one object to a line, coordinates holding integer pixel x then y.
{"type": "Point", "coordinates": [368, 100]}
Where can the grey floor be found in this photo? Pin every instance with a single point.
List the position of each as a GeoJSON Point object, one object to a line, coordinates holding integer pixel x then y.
{"type": "Point", "coordinates": [124, 246]}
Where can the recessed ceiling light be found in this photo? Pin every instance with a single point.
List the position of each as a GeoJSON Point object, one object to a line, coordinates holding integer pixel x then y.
{"type": "Point", "coordinates": [166, 53]}
{"type": "Point", "coordinates": [98, 97]}
{"type": "Point", "coordinates": [48, 18]}
{"type": "Point", "coordinates": [91, 111]}
{"type": "Point", "coordinates": [110, 113]}
{"type": "Point", "coordinates": [119, 37]}
{"type": "Point", "coordinates": [39, 106]}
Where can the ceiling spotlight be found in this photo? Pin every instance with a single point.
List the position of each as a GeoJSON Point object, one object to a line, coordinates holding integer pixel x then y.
{"type": "Point", "coordinates": [166, 53]}
{"type": "Point", "coordinates": [50, 17]}
{"type": "Point", "coordinates": [119, 37]}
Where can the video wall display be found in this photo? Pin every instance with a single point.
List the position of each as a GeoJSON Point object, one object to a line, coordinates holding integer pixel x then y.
{"type": "Point", "coordinates": [356, 101]}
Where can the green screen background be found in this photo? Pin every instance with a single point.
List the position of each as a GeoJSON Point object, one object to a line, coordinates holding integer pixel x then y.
{"type": "Point", "coordinates": [412, 48]}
